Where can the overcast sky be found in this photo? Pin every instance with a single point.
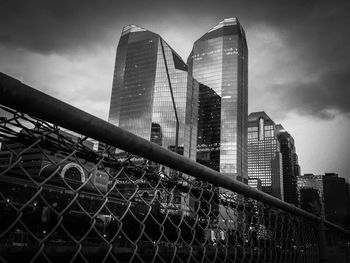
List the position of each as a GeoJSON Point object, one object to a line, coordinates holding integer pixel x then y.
{"type": "Point", "coordinates": [299, 58]}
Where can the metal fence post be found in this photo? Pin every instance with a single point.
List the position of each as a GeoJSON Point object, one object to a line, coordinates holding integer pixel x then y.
{"type": "Point", "coordinates": [322, 243]}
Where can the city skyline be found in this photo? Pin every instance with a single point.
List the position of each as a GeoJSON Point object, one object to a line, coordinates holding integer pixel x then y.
{"type": "Point", "coordinates": [297, 71]}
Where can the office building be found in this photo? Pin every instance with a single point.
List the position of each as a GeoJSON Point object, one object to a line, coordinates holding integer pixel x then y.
{"type": "Point", "coordinates": [264, 156]}
{"type": "Point", "coordinates": [335, 198]}
{"type": "Point", "coordinates": [310, 193]}
{"type": "Point", "coordinates": [154, 97]}
{"type": "Point", "coordinates": [310, 181]}
{"type": "Point", "coordinates": [219, 60]}
{"type": "Point", "coordinates": [291, 168]}
{"type": "Point", "coordinates": [311, 201]}
{"type": "Point", "coordinates": [333, 192]}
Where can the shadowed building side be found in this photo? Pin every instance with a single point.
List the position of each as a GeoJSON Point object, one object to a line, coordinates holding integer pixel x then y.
{"type": "Point", "coordinates": [208, 142]}
{"type": "Point", "coordinates": [291, 168]}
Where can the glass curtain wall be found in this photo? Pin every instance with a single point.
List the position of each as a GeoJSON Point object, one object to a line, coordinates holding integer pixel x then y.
{"type": "Point", "coordinates": [219, 60]}
{"type": "Point", "coordinates": [142, 98]}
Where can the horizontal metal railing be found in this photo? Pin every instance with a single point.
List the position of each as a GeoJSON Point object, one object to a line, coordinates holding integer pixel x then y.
{"type": "Point", "coordinates": [19, 96]}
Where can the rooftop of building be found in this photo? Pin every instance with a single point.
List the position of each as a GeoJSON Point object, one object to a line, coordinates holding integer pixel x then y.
{"type": "Point", "coordinates": [228, 26]}
{"type": "Point", "coordinates": [280, 128]}
{"type": "Point", "coordinates": [255, 116]}
{"type": "Point", "coordinates": [309, 175]}
{"type": "Point", "coordinates": [331, 174]}
{"type": "Point", "coordinates": [231, 21]}
{"type": "Point", "coordinates": [326, 175]}
{"type": "Point", "coordinates": [132, 28]}
{"type": "Point", "coordinates": [284, 135]}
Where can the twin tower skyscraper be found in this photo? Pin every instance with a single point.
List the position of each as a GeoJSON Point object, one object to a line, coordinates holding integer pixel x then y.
{"type": "Point", "coordinates": [199, 108]}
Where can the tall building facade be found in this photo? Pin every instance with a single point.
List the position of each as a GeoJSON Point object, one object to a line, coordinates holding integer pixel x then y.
{"type": "Point", "coordinates": [208, 139]}
{"type": "Point", "coordinates": [335, 198]}
{"type": "Point", "coordinates": [219, 60]}
{"type": "Point", "coordinates": [153, 96]}
{"type": "Point", "coordinates": [310, 193]}
{"type": "Point", "coordinates": [264, 156]}
{"type": "Point", "coordinates": [291, 168]}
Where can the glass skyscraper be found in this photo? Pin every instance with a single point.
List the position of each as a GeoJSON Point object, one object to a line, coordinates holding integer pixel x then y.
{"type": "Point", "coordinates": [153, 96]}
{"type": "Point", "coordinates": [219, 60]}
{"type": "Point", "coordinates": [291, 168]}
{"type": "Point", "coordinates": [264, 156]}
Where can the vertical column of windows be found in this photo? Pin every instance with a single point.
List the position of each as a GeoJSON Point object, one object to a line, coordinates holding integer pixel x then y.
{"type": "Point", "coordinates": [135, 96]}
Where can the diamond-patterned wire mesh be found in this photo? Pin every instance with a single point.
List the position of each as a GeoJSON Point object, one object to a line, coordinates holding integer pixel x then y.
{"type": "Point", "coordinates": [338, 247]}
{"type": "Point", "coordinates": [65, 199]}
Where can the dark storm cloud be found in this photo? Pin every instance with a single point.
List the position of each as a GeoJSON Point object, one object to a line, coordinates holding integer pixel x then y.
{"type": "Point", "coordinates": [51, 26]}
{"type": "Point", "coordinates": [324, 98]}
{"type": "Point", "coordinates": [58, 26]}
{"type": "Point", "coordinates": [47, 25]}
{"type": "Point", "coordinates": [316, 32]}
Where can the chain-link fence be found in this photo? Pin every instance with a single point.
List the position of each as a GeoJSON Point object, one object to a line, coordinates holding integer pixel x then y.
{"type": "Point", "coordinates": [67, 198]}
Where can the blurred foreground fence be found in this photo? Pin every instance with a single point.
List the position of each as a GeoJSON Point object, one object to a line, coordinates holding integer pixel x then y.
{"type": "Point", "coordinates": [67, 195]}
